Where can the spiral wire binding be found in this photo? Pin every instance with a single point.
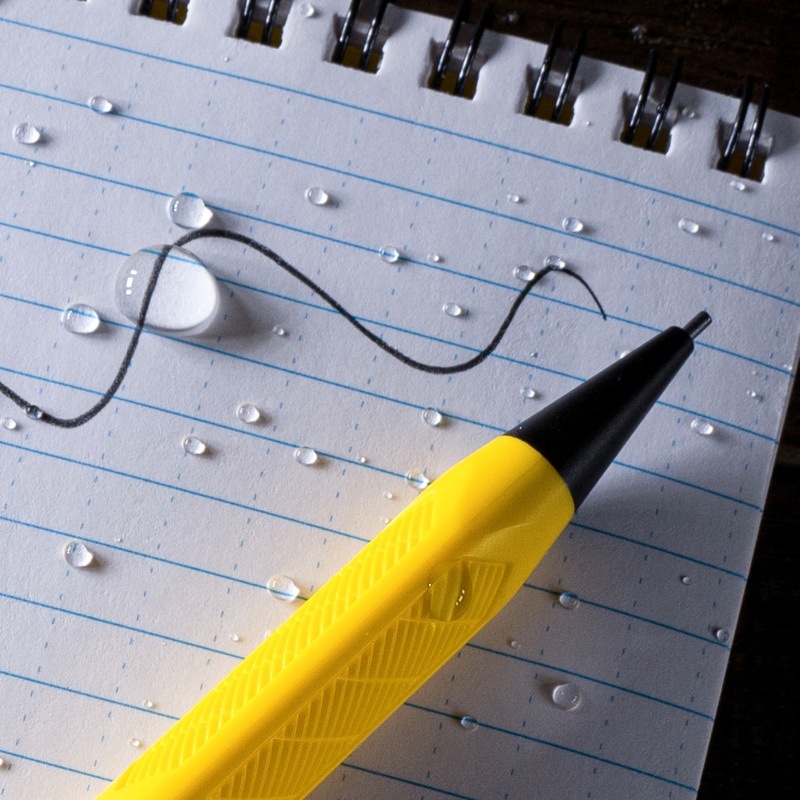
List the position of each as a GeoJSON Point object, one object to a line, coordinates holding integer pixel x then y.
{"type": "Point", "coordinates": [345, 38]}
{"type": "Point", "coordinates": [733, 144]}
{"type": "Point", "coordinates": [170, 8]}
{"type": "Point", "coordinates": [543, 78]}
{"type": "Point", "coordinates": [247, 18]}
{"type": "Point", "coordinates": [467, 62]}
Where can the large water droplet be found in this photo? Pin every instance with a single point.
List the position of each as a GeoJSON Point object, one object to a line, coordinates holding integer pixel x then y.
{"type": "Point", "coordinates": [80, 318]}
{"type": "Point", "coordinates": [432, 417]}
{"type": "Point", "coordinates": [25, 133]}
{"type": "Point", "coordinates": [454, 310]}
{"type": "Point", "coordinates": [524, 273]}
{"type": "Point", "coordinates": [721, 634]}
{"type": "Point", "coordinates": [306, 456]}
{"type": "Point", "coordinates": [688, 225]}
{"type": "Point", "coordinates": [8, 423]}
{"type": "Point", "coordinates": [567, 696]}
{"type": "Point", "coordinates": [556, 262]}
{"type": "Point", "coordinates": [701, 426]}
{"type": "Point", "coordinates": [468, 723]}
{"type": "Point", "coordinates": [569, 600]}
{"type": "Point", "coordinates": [317, 196]}
{"type": "Point", "coordinates": [282, 587]}
{"type": "Point", "coordinates": [77, 554]}
{"type": "Point", "coordinates": [391, 255]}
{"type": "Point", "coordinates": [189, 211]}
{"type": "Point", "coordinates": [186, 297]}
{"type": "Point", "coordinates": [417, 479]}
{"type": "Point", "coordinates": [572, 225]}
{"type": "Point", "coordinates": [194, 446]}
{"type": "Point", "coordinates": [100, 104]}
{"type": "Point", "coordinates": [33, 412]}
{"type": "Point", "coordinates": [307, 10]}
{"type": "Point", "coordinates": [247, 412]}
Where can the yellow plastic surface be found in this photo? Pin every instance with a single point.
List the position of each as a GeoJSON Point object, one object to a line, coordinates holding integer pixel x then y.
{"type": "Point", "coordinates": [294, 709]}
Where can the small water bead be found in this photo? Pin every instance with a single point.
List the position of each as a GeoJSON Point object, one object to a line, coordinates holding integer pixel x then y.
{"type": "Point", "coordinates": [149, 704]}
{"type": "Point", "coordinates": [4, 764]}
{"type": "Point", "coordinates": [234, 637]}
{"type": "Point", "coordinates": [307, 10]}
{"type": "Point", "coordinates": [248, 413]}
{"type": "Point", "coordinates": [567, 696]}
{"type": "Point", "coordinates": [384, 520]}
{"type": "Point", "coordinates": [80, 318]}
{"type": "Point", "coordinates": [100, 104]}
{"type": "Point", "coordinates": [34, 412]}
{"type": "Point", "coordinates": [389, 495]}
{"type": "Point", "coordinates": [307, 456]}
{"type": "Point", "coordinates": [78, 555]}
{"type": "Point", "coordinates": [432, 417]}
{"type": "Point", "coordinates": [686, 580]}
{"type": "Point", "coordinates": [391, 255]}
{"type": "Point", "coordinates": [529, 393]}
{"type": "Point", "coordinates": [752, 393]}
{"type": "Point", "coordinates": [468, 723]}
{"type": "Point", "coordinates": [417, 479]}
{"type": "Point", "coordinates": [513, 644]}
{"type": "Point", "coordinates": [31, 164]}
{"type": "Point", "coordinates": [189, 211]}
{"type": "Point", "coordinates": [279, 330]}
{"type": "Point", "coordinates": [435, 258]}
{"type": "Point", "coordinates": [267, 633]}
{"type": "Point", "coordinates": [454, 310]}
{"type": "Point", "coordinates": [569, 600]}
{"type": "Point", "coordinates": [721, 635]}
{"type": "Point", "coordinates": [513, 198]}
{"type": "Point", "coordinates": [186, 297]}
{"type": "Point", "coordinates": [134, 742]}
{"type": "Point", "coordinates": [8, 423]}
{"type": "Point", "coordinates": [361, 459]}
{"type": "Point", "coordinates": [25, 133]}
{"type": "Point", "coordinates": [740, 186]}
{"type": "Point", "coordinates": [688, 225]}
{"type": "Point", "coordinates": [572, 225]}
{"type": "Point", "coordinates": [701, 426]}
{"type": "Point", "coordinates": [769, 237]}
{"type": "Point", "coordinates": [283, 588]}
{"type": "Point", "coordinates": [194, 446]}
{"type": "Point", "coordinates": [524, 273]}
{"type": "Point", "coordinates": [317, 196]}
{"type": "Point", "coordinates": [555, 262]}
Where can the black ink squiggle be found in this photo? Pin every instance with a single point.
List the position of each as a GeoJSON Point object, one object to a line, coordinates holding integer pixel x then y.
{"type": "Point", "coordinates": [35, 412]}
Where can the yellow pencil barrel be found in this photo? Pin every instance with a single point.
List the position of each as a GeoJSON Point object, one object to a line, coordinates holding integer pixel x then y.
{"type": "Point", "coordinates": [360, 646]}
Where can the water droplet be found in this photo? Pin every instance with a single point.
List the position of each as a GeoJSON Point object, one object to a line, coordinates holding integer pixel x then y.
{"type": "Point", "coordinates": [391, 255]}
{"type": "Point", "coordinates": [513, 644]}
{"type": "Point", "coordinates": [623, 353]}
{"type": "Point", "coordinates": [267, 633]}
{"type": "Point", "coordinates": [189, 211]}
{"type": "Point", "coordinates": [435, 258]}
{"type": "Point", "coordinates": [307, 10]}
{"type": "Point", "coordinates": [721, 634]}
{"type": "Point", "coordinates": [234, 637]}
{"type": "Point", "coordinates": [306, 456]}
{"type": "Point", "coordinates": [529, 393]}
{"type": "Point", "coordinates": [389, 495]}
{"type": "Point", "coordinates": [134, 742]}
{"type": "Point", "coordinates": [513, 198]}
{"type": "Point", "coordinates": [686, 580]}
{"type": "Point", "coordinates": [186, 297]}
{"type": "Point", "coordinates": [25, 133]}
{"type": "Point", "coordinates": [247, 412]}
{"type": "Point", "coordinates": [80, 318]}
{"type": "Point", "coordinates": [418, 479]}
{"type": "Point", "coordinates": [194, 446]}
{"type": "Point", "coordinates": [569, 600]}
{"type": "Point", "coordinates": [384, 520]}
{"type": "Point", "coordinates": [226, 59]}
{"type": "Point", "coordinates": [317, 196]}
{"type": "Point", "coordinates": [468, 723]}
{"type": "Point", "coordinates": [740, 186]}
{"type": "Point", "coordinates": [769, 237]}
{"type": "Point", "coordinates": [100, 104]}
{"type": "Point", "coordinates": [31, 164]}
{"type": "Point", "coordinates": [567, 696]}
{"type": "Point", "coordinates": [361, 459]}
{"type": "Point", "coordinates": [702, 426]}
{"type": "Point", "coordinates": [572, 224]}
{"type": "Point", "coordinates": [34, 412]}
{"type": "Point", "coordinates": [753, 394]}
{"type": "Point", "coordinates": [77, 554]}
{"type": "Point", "coordinates": [149, 704]}
{"type": "Point", "coordinates": [556, 262]}
{"type": "Point", "coordinates": [282, 587]}
{"type": "Point", "coordinates": [4, 764]}
{"type": "Point", "coordinates": [278, 330]}
{"type": "Point", "coordinates": [454, 310]}
{"type": "Point", "coordinates": [432, 417]}
{"type": "Point", "coordinates": [524, 273]}
{"type": "Point", "coordinates": [688, 225]}
{"type": "Point", "coordinates": [8, 423]}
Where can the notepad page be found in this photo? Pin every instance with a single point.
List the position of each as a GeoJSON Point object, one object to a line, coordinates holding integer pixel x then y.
{"type": "Point", "coordinates": [96, 663]}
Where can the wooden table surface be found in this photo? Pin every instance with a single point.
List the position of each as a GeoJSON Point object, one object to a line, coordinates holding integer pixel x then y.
{"type": "Point", "coordinates": [722, 41]}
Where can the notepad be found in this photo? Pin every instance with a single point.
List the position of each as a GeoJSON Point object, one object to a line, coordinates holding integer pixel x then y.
{"type": "Point", "coordinates": [434, 203]}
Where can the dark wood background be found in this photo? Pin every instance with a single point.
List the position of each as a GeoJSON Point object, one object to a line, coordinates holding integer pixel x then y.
{"type": "Point", "coordinates": [755, 736]}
